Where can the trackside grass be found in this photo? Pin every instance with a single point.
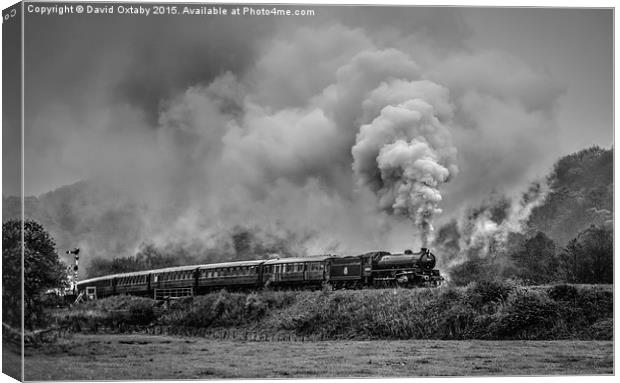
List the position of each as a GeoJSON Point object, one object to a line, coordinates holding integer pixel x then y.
{"type": "Point", "coordinates": [483, 310]}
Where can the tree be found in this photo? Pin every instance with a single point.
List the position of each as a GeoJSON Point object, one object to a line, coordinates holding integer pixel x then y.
{"type": "Point", "coordinates": [536, 261]}
{"type": "Point", "coordinates": [42, 270]}
{"type": "Point", "coordinates": [588, 258]}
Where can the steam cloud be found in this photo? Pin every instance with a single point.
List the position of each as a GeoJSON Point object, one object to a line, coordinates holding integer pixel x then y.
{"type": "Point", "coordinates": [405, 153]}
{"type": "Point", "coordinates": [333, 138]}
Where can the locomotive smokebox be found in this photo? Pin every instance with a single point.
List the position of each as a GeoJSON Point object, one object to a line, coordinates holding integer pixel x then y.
{"type": "Point", "coordinates": [427, 259]}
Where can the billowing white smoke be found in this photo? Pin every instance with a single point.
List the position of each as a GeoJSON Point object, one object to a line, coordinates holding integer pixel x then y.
{"type": "Point", "coordinates": [405, 154]}
{"type": "Point", "coordinates": [488, 235]}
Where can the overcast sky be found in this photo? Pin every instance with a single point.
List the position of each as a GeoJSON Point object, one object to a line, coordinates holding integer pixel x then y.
{"type": "Point", "coordinates": [79, 66]}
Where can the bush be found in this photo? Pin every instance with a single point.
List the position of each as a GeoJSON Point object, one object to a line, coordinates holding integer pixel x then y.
{"type": "Point", "coordinates": [141, 313]}
{"type": "Point", "coordinates": [528, 314]}
{"type": "Point", "coordinates": [489, 291]}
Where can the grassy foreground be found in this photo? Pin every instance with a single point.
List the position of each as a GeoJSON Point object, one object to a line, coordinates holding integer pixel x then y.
{"type": "Point", "coordinates": [101, 357]}
{"type": "Point", "coordinates": [484, 310]}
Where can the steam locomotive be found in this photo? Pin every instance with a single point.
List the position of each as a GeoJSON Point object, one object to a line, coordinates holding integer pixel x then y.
{"type": "Point", "coordinates": [374, 269]}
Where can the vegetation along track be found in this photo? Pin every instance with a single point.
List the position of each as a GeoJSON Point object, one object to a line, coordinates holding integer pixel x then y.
{"type": "Point", "coordinates": [481, 310]}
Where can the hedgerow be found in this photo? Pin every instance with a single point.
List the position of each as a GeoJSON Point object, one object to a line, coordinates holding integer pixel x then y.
{"type": "Point", "coordinates": [481, 310]}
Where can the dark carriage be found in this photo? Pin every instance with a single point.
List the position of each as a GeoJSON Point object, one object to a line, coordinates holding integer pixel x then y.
{"type": "Point", "coordinates": [243, 275]}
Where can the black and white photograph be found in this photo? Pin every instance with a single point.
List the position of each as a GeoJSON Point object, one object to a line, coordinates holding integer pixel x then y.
{"type": "Point", "coordinates": [217, 191]}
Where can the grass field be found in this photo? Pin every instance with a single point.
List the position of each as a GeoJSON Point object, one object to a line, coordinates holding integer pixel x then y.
{"type": "Point", "coordinates": [85, 357]}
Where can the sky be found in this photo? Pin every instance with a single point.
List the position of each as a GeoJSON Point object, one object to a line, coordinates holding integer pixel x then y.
{"type": "Point", "coordinates": [142, 62]}
{"type": "Point", "coordinates": [362, 120]}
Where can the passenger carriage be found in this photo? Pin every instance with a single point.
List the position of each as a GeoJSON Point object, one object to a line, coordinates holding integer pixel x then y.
{"type": "Point", "coordinates": [230, 275]}
{"type": "Point", "coordinates": [136, 283]}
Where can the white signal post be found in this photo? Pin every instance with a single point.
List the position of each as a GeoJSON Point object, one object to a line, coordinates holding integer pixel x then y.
{"type": "Point", "coordinates": [75, 252]}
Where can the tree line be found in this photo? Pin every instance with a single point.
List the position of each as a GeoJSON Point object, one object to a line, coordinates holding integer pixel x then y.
{"type": "Point", "coordinates": [537, 259]}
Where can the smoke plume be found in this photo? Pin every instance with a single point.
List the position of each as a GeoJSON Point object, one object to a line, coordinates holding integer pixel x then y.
{"type": "Point", "coordinates": [404, 154]}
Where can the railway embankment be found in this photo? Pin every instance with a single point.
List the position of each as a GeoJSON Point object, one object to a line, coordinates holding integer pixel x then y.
{"type": "Point", "coordinates": [488, 310]}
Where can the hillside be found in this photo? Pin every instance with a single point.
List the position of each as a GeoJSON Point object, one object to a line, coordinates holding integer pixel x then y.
{"type": "Point", "coordinates": [83, 215]}
{"type": "Point", "coordinates": [581, 192]}
{"type": "Point", "coordinates": [566, 237]}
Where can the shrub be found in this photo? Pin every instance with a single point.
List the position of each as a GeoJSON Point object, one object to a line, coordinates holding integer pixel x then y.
{"type": "Point", "coordinates": [141, 313]}
{"type": "Point", "coordinates": [528, 314]}
{"type": "Point", "coordinates": [488, 291]}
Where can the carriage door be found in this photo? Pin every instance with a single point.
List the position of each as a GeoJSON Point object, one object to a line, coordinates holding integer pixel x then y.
{"type": "Point", "coordinates": [328, 270]}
